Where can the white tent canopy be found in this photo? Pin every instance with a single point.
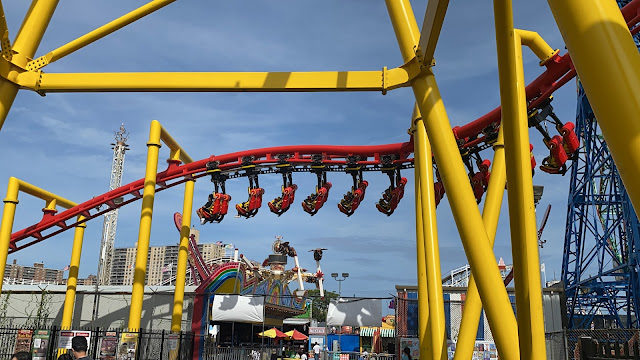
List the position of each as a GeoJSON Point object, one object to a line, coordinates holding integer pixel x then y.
{"type": "Point", "coordinates": [355, 312]}
{"type": "Point", "coordinates": [238, 308]}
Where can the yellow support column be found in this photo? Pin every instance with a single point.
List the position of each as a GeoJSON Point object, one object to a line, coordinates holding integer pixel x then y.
{"type": "Point", "coordinates": [490, 215]}
{"type": "Point", "coordinates": [438, 342]}
{"type": "Point", "coordinates": [25, 45]}
{"type": "Point", "coordinates": [144, 233]}
{"type": "Point", "coordinates": [8, 216]}
{"type": "Point", "coordinates": [181, 270]}
{"type": "Point", "coordinates": [524, 240]}
{"type": "Point", "coordinates": [608, 65]}
{"type": "Point", "coordinates": [459, 193]}
{"type": "Point", "coordinates": [14, 187]}
{"type": "Point", "coordinates": [424, 331]}
{"type": "Point", "coordinates": [72, 281]}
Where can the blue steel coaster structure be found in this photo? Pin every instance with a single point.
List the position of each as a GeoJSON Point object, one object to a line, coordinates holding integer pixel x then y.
{"type": "Point", "coordinates": [600, 265]}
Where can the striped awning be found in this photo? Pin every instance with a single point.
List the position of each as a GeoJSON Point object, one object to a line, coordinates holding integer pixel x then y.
{"type": "Point", "coordinates": [368, 332]}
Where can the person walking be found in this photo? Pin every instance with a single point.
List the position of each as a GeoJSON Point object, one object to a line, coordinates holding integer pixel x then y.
{"type": "Point", "coordinates": [316, 351]}
{"type": "Point", "coordinates": [79, 348]}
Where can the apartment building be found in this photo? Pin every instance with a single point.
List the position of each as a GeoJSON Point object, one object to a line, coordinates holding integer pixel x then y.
{"type": "Point", "coordinates": [36, 273]}
{"type": "Point", "coordinates": [161, 261]}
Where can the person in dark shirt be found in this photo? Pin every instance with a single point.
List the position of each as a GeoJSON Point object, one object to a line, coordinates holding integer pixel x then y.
{"type": "Point", "coordinates": [22, 355]}
{"type": "Point", "coordinates": [79, 348]}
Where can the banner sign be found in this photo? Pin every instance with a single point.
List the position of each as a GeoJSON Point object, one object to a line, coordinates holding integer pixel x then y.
{"type": "Point", "coordinates": [128, 346]}
{"type": "Point", "coordinates": [109, 346]}
{"type": "Point", "coordinates": [64, 340]}
{"type": "Point", "coordinates": [40, 345]}
{"type": "Point", "coordinates": [317, 331]}
{"type": "Point", "coordinates": [23, 340]}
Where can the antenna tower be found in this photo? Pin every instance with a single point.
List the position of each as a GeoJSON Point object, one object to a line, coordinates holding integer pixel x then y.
{"type": "Point", "coordinates": [111, 218]}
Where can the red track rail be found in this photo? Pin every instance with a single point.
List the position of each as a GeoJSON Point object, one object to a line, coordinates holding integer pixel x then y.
{"type": "Point", "coordinates": [559, 71]}
{"type": "Point", "coordinates": [177, 174]}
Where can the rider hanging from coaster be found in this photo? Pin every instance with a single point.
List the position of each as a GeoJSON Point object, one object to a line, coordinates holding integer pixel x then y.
{"type": "Point", "coordinates": [250, 207]}
{"type": "Point", "coordinates": [561, 148]}
{"type": "Point", "coordinates": [282, 203]}
{"type": "Point", "coordinates": [352, 199]}
{"type": "Point", "coordinates": [394, 193]}
{"type": "Point", "coordinates": [217, 206]}
{"type": "Point", "coordinates": [314, 202]}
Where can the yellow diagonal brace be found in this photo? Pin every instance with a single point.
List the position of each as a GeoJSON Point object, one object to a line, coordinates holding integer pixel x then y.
{"type": "Point", "coordinates": [219, 82]}
{"type": "Point", "coordinates": [4, 31]}
{"type": "Point", "coordinates": [97, 34]}
{"type": "Point", "coordinates": [24, 47]}
{"type": "Point", "coordinates": [490, 215]}
{"type": "Point", "coordinates": [431, 26]}
{"type": "Point", "coordinates": [608, 64]}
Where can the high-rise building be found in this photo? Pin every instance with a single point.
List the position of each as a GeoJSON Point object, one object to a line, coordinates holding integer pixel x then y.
{"type": "Point", "coordinates": [32, 274]}
{"type": "Point", "coordinates": [161, 261]}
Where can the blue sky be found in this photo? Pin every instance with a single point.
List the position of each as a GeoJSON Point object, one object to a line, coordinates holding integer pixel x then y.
{"type": "Point", "coordinates": [61, 142]}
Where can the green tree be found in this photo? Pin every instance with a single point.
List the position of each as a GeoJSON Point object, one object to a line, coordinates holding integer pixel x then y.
{"type": "Point", "coordinates": [320, 305]}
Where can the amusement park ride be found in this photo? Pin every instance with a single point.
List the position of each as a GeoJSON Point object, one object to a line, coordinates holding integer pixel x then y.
{"type": "Point", "coordinates": [609, 69]}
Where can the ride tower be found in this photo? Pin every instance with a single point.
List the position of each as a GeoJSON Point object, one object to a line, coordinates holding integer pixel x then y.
{"type": "Point", "coordinates": [600, 267]}
{"type": "Point", "coordinates": [111, 218]}
{"type": "Point", "coordinates": [600, 263]}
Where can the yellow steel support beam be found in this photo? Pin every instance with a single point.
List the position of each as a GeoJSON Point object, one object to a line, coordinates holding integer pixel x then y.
{"type": "Point", "coordinates": [14, 187]}
{"type": "Point", "coordinates": [431, 26]}
{"type": "Point", "coordinates": [427, 250]}
{"type": "Point", "coordinates": [460, 196]}
{"type": "Point", "coordinates": [181, 270]}
{"type": "Point", "coordinates": [609, 68]}
{"type": "Point", "coordinates": [490, 215]}
{"type": "Point", "coordinates": [97, 34]}
{"type": "Point", "coordinates": [424, 331]}
{"type": "Point", "coordinates": [24, 47]}
{"type": "Point", "coordinates": [4, 29]}
{"type": "Point", "coordinates": [72, 281]}
{"type": "Point", "coordinates": [156, 134]}
{"type": "Point", "coordinates": [536, 43]}
{"type": "Point", "coordinates": [524, 241]}
{"type": "Point", "coordinates": [383, 80]}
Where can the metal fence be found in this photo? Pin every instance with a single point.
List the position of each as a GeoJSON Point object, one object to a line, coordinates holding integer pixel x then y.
{"type": "Point", "coordinates": [618, 338]}
{"type": "Point", "coordinates": [350, 355]}
{"type": "Point", "coordinates": [151, 345]}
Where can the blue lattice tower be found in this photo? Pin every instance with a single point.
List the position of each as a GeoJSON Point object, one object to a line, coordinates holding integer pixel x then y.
{"type": "Point", "coordinates": [600, 265]}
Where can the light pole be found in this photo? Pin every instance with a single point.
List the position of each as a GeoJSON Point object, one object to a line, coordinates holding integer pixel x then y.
{"type": "Point", "coordinates": [335, 277]}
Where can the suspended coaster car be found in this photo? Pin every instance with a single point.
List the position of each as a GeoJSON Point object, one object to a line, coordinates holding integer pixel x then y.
{"type": "Point", "coordinates": [282, 203]}
{"type": "Point", "coordinates": [250, 207]}
{"type": "Point", "coordinates": [480, 180]}
{"type": "Point", "coordinates": [314, 202]}
{"type": "Point", "coordinates": [394, 193]}
{"type": "Point", "coordinates": [215, 210]}
{"type": "Point", "coordinates": [561, 148]}
{"type": "Point", "coordinates": [352, 199]}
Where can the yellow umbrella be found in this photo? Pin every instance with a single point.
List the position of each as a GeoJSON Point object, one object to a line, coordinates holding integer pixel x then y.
{"type": "Point", "coordinates": [273, 333]}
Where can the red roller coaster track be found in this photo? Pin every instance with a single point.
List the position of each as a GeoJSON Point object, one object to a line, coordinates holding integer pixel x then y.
{"type": "Point", "coordinates": [559, 70]}
{"type": "Point", "coordinates": [176, 174]}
